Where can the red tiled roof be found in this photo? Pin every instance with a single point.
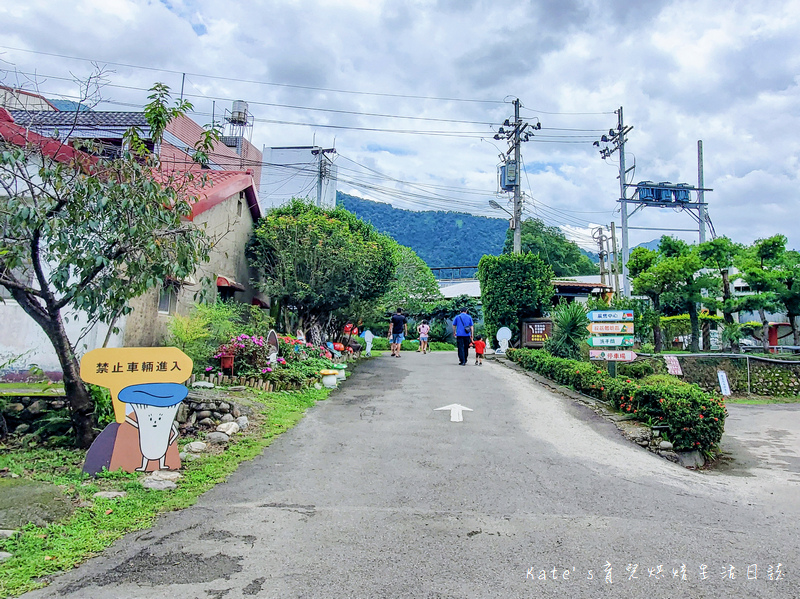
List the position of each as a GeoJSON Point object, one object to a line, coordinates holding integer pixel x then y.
{"type": "Point", "coordinates": [210, 188]}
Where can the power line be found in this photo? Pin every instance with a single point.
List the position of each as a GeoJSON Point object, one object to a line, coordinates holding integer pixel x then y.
{"type": "Point", "coordinates": [256, 82]}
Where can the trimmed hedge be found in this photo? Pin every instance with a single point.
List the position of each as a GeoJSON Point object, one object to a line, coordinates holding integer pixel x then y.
{"type": "Point", "coordinates": [382, 344]}
{"type": "Point", "coordinates": [696, 419]}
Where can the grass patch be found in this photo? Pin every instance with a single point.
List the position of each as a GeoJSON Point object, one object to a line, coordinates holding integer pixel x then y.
{"type": "Point", "coordinates": [757, 400]}
{"type": "Point", "coordinates": [39, 552]}
{"type": "Point", "coordinates": [30, 389]}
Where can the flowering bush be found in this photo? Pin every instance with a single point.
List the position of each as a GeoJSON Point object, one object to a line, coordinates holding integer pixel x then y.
{"type": "Point", "coordinates": [298, 362]}
{"type": "Point", "coordinates": [696, 419]}
{"type": "Point", "coordinates": [250, 354]}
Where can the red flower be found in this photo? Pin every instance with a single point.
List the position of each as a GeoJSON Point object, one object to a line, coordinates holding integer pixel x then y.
{"type": "Point", "coordinates": [701, 416]}
{"type": "Point", "coordinates": [628, 381]}
{"type": "Point", "coordinates": [661, 400]}
{"type": "Point", "coordinates": [602, 388]}
{"type": "Point", "coordinates": [716, 419]}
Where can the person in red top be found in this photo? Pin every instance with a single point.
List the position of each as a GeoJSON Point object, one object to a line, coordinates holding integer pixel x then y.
{"type": "Point", "coordinates": [480, 347]}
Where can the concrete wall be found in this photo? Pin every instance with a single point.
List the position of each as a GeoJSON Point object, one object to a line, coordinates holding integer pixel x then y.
{"type": "Point", "coordinates": [19, 334]}
{"type": "Point", "coordinates": [145, 326]}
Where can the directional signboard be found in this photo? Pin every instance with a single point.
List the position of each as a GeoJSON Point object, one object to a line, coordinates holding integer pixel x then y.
{"type": "Point", "coordinates": [611, 327]}
{"type": "Point", "coordinates": [610, 315]}
{"type": "Point", "coordinates": [612, 355]}
{"type": "Point", "coordinates": [611, 341]}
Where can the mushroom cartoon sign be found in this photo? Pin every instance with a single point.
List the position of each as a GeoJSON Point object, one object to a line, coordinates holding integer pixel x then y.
{"type": "Point", "coordinates": [145, 390]}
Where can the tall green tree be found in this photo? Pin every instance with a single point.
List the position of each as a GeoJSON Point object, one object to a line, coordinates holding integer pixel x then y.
{"type": "Point", "coordinates": [693, 286]}
{"type": "Point", "coordinates": [760, 267]}
{"type": "Point", "coordinates": [413, 287]}
{"type": "Point", "coordinates": [86, 235]}
{"type": "Point", "coordinates": [315, 261]}
{"type": "Point", "coordinates": [513, 286]}
{"type": "Point", "coordinates": [552, 246]}
{"type": "Point", "coordinates": [652, 276]}
{"type": "Point", "coordinates": [719, 254]}
{"type": "Point", "coordinates": [789, 290]}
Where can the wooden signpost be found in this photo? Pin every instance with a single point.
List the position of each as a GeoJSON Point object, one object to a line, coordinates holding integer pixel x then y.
{"type": "Point", "coordinates": [611, 330]}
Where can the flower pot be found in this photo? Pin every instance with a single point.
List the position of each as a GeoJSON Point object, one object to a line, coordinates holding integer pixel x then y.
{"type": "Point", "coordinates": [226, 362]}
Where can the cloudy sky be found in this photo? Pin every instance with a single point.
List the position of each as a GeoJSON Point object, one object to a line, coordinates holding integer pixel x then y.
{"type": "Point", "coordinates": [412, 92]}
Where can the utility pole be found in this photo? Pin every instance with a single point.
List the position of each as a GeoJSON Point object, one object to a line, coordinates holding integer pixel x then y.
{"type": "Point", "coordinates": [322, 171]}
{"type": "Point", "coordinates": [702, 215]}
{"type": "Point", "coordinates": [601, 239]}
{"type": "Point", "coordinates": [617, 140]}
{"type": "Point", "coordinates": [517, 195]}
{"type": "Point", "coordinates": [616, 258]}
{"type": "Point", "coordinates": [521, 132]}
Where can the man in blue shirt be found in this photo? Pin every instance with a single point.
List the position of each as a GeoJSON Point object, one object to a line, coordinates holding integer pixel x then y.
{"type": "Point", "coordinates": [462, 329]}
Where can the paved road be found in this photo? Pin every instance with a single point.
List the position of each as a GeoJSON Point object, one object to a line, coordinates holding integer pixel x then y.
{"type": "Point", "coordinates": [376, 494]}
{"type": "Point", "coordinates": [762, 442]}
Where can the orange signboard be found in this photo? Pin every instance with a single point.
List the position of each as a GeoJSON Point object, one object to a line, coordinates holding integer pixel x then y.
{"type": "Point", "coordinates": [118, 367]}
{"type": "Point", "coordinates": [146, 391]}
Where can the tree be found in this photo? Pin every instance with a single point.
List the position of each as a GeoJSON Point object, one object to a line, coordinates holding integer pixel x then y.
{"type": "Point", "coordinates": [651, 276]}
{"type": "Point", "coordinates": [550, 244]}
{"type": "Point", "coordinates": [760, 267]}
{"type": "Point", "coordinates": [513, 286]}
{"type": "Point", "coordinates": [789, 290]}
{"type": "Point", "coordinates": [413, 288]}
{"type": "Point", "coordinates": [314, 261]}
{"type": "Point", "coordinates": [85, 233]}
{"type": "Point", "coordinates": [719, 254]}
{"type": "Point", "coordinates": [692, 285]}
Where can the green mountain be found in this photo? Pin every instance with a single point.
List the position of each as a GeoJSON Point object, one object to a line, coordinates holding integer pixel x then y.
{"type": "Point", "coordinates": [439, 238]}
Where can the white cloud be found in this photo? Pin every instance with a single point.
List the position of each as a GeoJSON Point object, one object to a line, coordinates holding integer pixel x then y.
{"type": "Point", "coordinates": [724, 72]}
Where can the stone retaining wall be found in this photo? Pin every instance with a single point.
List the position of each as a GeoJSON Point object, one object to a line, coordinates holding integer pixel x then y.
{"type": "Point", "coordinates": [766, 377]}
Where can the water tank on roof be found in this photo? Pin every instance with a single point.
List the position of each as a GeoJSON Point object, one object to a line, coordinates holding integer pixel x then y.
{"type": "Point", "coordinates": [239, 112]}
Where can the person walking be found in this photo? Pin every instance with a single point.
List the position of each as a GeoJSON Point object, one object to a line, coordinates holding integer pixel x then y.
{"type": "Point", "coordinates": [423, 331]}
{"type": "Point", "coordinates": [398, 328]}
{"type": "Point", "coordinates": [462, 330]}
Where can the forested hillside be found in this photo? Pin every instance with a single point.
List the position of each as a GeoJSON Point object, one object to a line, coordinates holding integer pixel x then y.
{"type": "Point", "coordinates": [439, 238]}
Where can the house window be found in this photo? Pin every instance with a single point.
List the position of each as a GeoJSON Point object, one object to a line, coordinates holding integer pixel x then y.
{"type": "Point", "coordinates": [225, 293]}
{"type": "Point", "coordinates": [239, 208]}
{"type": "Point", "coordinates": [168, 299]}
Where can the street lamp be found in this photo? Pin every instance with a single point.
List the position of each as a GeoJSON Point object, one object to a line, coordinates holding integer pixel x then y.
{"type": "Point", "coordinates": [497, 206]}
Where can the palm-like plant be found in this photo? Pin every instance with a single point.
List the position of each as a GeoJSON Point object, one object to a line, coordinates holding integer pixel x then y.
{"type": "Point", "coordinates": [569, 330]}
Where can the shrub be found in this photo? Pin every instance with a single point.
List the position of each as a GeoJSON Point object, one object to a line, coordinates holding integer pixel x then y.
{"type": "Point", "coordinates": [513, 286]}
{"type": "Point", "coordinates": [569, 330]}
{"type": "Point", "coordinates": [380, 343]}
{"type": "Point", "coordinates": [441, 346]}
{"type": "Point", "coordinates": [695, 419]}
{"type": "Point", "coordinates": [635, 370]}
{"type": "Point", "coordinates": [208, 326]}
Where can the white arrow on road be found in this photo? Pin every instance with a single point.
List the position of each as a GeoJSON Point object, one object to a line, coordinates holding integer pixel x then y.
{"type": "Point", "coordinates": [455, 411]}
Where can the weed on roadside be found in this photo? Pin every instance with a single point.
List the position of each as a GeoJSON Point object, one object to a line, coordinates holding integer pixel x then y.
{"type": "Point", "coordinates": [38, 552]}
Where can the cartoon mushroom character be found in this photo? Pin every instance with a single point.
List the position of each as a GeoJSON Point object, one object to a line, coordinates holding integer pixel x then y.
{"type": "Point", "coordinates": [155, 406]}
